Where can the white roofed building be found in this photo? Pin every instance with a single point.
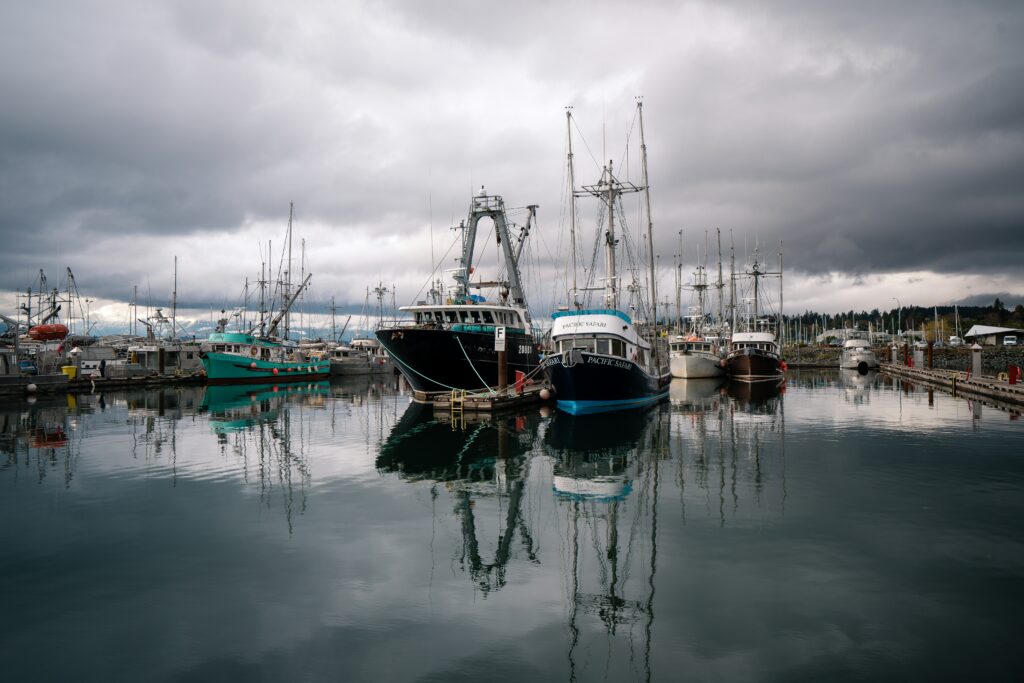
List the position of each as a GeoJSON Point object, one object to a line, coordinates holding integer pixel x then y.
{"type": "Point", "coordinates": [988, 335]}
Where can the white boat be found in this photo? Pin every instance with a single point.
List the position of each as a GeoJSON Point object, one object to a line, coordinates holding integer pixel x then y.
{"type": "Point", "coordinates": [694, 358]}
{"type": "Point", "coordinates": [857, 354]}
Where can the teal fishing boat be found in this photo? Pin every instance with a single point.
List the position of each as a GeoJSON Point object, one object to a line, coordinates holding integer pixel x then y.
{"type": "Point", "coordinates": [258, 354]}
{"type": "Point", "coordinates": [241, 357]}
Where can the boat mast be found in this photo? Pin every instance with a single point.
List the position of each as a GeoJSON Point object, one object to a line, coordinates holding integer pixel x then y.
{"type": "Point", "coordinates": [287, 277]}
{"type": "Point", "coordinates": [720, 285]}
{"type": "Point", "coordinates": [679, 285]}
{"type": "Point", "coordinates": [650, 226]}
{"type": "Point", "coordinates": [572, 207]}
{"type": "Point", "coordinates": [782, 327]}
{"type": "Point", "coordinates": [732, 281]}
{"type": "Point", "coordinates": [611, 296]}
{"type": "Point", "coordinates": [174, 301]}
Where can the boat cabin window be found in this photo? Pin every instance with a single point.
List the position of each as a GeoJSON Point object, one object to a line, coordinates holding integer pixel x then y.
{"type": "Point", "coordinates": [475, 315]}
{"type": "Point", "coordinates": [450, 315]}
{"type": "Point", "coordinates": [488, 318]}
{"type": "Point", "coordinates": [463, 316]}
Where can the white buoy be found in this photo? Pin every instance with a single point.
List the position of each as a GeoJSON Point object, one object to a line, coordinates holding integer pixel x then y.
{"type": "Point", "coordinates": [31, 388]}
{"type": "Point", "coordinates": [545, 394]}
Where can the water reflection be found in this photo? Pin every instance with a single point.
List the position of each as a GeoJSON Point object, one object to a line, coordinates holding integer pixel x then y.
{"type": "Point", "coordinates": [728, 444]}
{"type": "Point", "coordinates": [858, 385]}
{"type": "Point", "coordinates": [483, 463]}
{"type": "Point", "coordinates": [606, 478]}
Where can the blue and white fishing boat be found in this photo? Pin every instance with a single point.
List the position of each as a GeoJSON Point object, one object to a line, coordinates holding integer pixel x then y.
{"type": "Point", "coordinates": [603, 359]}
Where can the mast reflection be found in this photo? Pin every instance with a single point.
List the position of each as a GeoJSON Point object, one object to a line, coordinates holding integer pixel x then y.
{"type": "Point", "coordinates": [268, 423]}
{"type": "Point", "coordinates": [605, 477]}
{"type": "Point", "coordinates": [483, 464]}
{"type": "Point", "coordinates": [729, 445]}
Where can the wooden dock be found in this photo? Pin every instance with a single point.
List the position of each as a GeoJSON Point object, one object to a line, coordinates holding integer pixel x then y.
{"type": "Point", "coordinates": [959, 382]}
{"type": "Point", "coordinates": [483, 401]}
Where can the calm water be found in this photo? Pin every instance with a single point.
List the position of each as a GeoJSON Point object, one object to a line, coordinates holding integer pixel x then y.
{"type": "Point", "coordinates": [847, 528]}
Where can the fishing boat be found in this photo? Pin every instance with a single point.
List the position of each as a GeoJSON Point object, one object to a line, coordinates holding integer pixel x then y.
{"type": "Point", "coordinates": [698, 354]}
{"type": "Point", "coordinates": [359, 357]}
{"type": "Point", "coordinates": [258, 354]}
{"type": "Point", "coordinates": [241, 357]}
{"type": "Point", "coordinates": [602, 358]}
{"type": "Point", "coordinates": [450, 342]}
{"type": "Point", "coordinates": [363, 355]}
{"type": "Point", "coordinates": [695, 358]}
{"type": "Point", "coordinates": [857, 354]}
{"type": "Point", "coordinates": [754, 354]}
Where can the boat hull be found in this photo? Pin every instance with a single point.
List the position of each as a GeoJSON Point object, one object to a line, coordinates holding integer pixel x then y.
{"type": "Point", "coordinates": [857, 360]}
{"type": "Point", "coordinates": [359, 366]}
{"type": "Point", "coordinates": [434, 360]}
{"type": "Point", "coordinates": [696, 366]}
{"type": "Point", "coordinates": [591, 383]}
{"type": "Point", "coordinates": [229, 368]}
{"type": "Point", "coordinates": [753, 365]}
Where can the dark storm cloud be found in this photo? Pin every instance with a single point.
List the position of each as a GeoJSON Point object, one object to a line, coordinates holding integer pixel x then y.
{"type": "Point", "coordinates": [883, 140]}
{"type": "Point", "coordinates": [869, 137]}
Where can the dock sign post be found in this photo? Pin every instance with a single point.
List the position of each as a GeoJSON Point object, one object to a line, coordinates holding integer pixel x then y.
{"type": "Point", "coordinates": [499, 346]}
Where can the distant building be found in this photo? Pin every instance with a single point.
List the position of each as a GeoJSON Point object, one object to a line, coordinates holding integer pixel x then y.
{"type": "Point", "coordinates": [987, 335]}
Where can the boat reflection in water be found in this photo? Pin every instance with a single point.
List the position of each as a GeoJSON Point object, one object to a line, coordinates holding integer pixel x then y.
{"type": "Point", "coordinates": [262, 428]}
{"type": "Point", "coordinates": [605, 480]}
{"type": "Point", "coordinates": [235, 408]}
{"type": "Point", "coordinates": [38, 434]}
{"type": "Point", "coordinates": [857, 385]}
{"type": "Point", "coordinates": [729, 442]}
{"type": "Point", "coordinates": [696, 396]}
{"type": "Point", "coordinates": [482, 463]}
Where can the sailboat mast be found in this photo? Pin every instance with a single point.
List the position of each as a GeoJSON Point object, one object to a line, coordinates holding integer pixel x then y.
{"type": "Point", "coordinates": [650, 224]}
{"type": "Point", "coordinates": [572, 207]}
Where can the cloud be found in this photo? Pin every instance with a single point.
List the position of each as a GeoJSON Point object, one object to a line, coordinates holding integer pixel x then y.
{"type": "Point", "coordinates": [869, 139]}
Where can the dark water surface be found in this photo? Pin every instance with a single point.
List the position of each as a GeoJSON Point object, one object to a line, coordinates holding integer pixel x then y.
{"type": "Point", "coordinates": [845, 528]}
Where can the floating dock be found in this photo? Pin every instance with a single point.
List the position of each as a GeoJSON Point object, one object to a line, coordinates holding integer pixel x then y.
{"type": "Point", "coordinates": [484, 401]}
{"type": "Point", "coordinates": [959, 382]}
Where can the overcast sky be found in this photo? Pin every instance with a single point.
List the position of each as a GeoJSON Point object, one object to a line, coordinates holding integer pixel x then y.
{"type": "Point", "coordinates": [882, 142]}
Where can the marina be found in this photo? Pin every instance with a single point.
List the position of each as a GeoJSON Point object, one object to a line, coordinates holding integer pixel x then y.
{"type": "Point", "coordinates": [448, 342]}
{"type": "Point", "coordinates": [315, 527]}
